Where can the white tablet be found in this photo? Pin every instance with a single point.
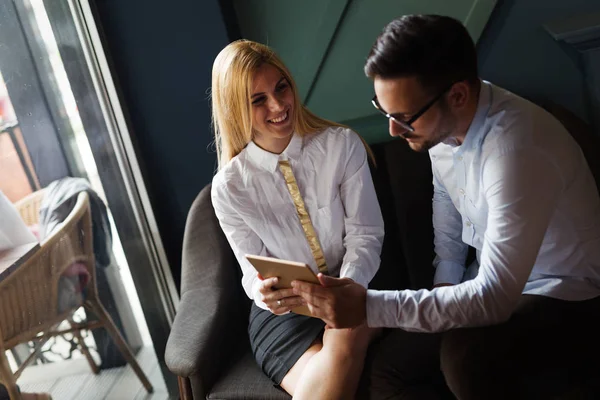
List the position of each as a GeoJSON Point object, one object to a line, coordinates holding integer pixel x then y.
{"type": "Point", "coordinates": [287, 271]}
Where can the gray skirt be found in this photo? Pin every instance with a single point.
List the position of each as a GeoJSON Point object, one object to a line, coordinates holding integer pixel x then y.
{"type": "Point", "coordinates": [278, 341]}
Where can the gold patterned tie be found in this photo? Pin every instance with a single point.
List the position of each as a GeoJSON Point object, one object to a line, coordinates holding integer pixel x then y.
{"type": "Point", "coordinates": [307, 226]}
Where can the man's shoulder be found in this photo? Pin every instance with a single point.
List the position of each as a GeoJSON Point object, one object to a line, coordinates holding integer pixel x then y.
{"type": "Point", "coordinates": [514, 122]}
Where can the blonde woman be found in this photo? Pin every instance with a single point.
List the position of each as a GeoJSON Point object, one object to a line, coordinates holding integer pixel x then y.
{"type": "Point", "coordinates": [259, 121]}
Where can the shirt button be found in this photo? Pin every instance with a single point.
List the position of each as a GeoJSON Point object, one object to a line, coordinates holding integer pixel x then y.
{"type": "Point", "coordinates": [469, 224]}
{"type": "Point", "coordinates": [462, 191]}
{"type": "Point", "coordinates": [459, 158]}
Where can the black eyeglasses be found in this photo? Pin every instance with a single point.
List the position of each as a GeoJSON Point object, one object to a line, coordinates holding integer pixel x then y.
{"type": "Point", "coordinates": [408, 123]}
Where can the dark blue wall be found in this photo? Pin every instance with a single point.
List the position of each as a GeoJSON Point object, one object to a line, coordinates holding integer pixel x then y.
{"type": "Point", "coordinates": [517, 53]}
{"type": "Point", "coordinates": [162, 54]}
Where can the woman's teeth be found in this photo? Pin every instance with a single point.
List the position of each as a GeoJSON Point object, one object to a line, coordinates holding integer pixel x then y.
{"type": "Point", "coordinates": [280, 119]}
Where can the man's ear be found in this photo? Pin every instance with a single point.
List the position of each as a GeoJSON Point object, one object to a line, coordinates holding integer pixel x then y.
{"type": "Point", "coordinates": [459, 94]}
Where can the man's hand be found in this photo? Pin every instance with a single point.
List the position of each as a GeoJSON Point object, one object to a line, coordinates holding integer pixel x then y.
{"type": "Point", "coordinates": [339, 302]}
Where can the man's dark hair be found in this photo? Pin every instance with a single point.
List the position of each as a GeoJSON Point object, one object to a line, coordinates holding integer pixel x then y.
{"type": "Point", "coordinates": [437, 50]}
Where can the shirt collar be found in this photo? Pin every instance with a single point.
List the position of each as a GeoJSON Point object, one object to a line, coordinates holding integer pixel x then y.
{"type": "Point", "coordinates": [269, 161]}
{"type": "Point", "coordinates": [474, 133]}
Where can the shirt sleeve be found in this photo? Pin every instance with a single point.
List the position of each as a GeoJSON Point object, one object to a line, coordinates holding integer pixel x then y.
{"type": "Point", "coordinates": [521, 188]}
{"type": "Point", "coordinates": [450, 250]}
{"type": "Point", "coordinates": [242, 240]}
{"type": "Point", "coordinates": [362, 217]}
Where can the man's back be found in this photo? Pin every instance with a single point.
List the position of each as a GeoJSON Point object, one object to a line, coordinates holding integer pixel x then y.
{"type": "Point", "coordinates": [508, 128]}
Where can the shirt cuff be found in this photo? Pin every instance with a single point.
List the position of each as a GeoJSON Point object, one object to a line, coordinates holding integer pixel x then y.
{"type": "Point", "coordinates": [355, 273]}
{"type": "Point", "coordinates": [382, 309]}
{"type": "Point", "coordinates": [448, 272]}
{"type": "Point", "coordinates": [256, 295]}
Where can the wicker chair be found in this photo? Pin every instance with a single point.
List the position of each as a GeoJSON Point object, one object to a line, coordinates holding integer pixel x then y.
{"type": "Point", "coordinates": [29, 295]}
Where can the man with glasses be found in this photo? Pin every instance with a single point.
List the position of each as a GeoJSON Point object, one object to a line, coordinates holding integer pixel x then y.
{"type": "Point", "coordinates": [509, 181]}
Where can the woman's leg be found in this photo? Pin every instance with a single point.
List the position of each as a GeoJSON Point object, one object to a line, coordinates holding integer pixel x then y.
{"type": "Point", "coordinates": [291, 379]}
{"type": "Point", "coordinates": [333, 372]}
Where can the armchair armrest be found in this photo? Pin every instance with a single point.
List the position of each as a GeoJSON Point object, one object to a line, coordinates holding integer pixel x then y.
{"type": "Point", "coordinates": [198, 346]}
{"type": "Point", "coordinates": [196, 337]}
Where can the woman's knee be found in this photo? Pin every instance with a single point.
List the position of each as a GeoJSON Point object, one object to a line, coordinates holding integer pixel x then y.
{"type": "Point", "coordinates": [292, 377]}
{"type": "Point", "coordinates": [348, 343]}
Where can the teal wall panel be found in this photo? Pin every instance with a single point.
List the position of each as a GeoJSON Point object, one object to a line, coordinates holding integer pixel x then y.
{"type": "Point", "coordinates": [518, 54]}
{"type": "Point", "coordinates": [325, 45]}
{"type": "Point", "coordinates": [342, 92]}
{"type": "Point", "coordinates": [300, 32]}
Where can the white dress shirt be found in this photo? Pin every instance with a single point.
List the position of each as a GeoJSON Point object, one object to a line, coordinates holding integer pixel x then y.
{"type": "Point", "coordinates": [519, 191]}
{"type": "Point", "coordinates": [258, 216]}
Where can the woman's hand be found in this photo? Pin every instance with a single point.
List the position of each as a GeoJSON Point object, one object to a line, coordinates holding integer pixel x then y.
{"type": "Point", "coordinates": [279, 301]}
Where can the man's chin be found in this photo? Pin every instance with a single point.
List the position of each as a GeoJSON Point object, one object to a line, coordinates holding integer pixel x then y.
{"type": "Point", "coordinates": [419, 147]}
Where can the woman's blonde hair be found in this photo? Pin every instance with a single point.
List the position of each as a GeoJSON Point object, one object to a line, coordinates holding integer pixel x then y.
{"type": "Point", "coordinates": [232, 74]}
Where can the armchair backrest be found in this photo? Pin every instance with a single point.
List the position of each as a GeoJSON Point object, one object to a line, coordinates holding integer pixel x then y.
{"type": "Point", "coordinates": [207, 259]}
{"type": "Point", "coordinates": [29, 207]}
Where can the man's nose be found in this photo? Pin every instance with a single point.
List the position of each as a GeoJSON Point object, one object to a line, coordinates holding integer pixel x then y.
{"type": "Point", "coordinates": [395, 129]}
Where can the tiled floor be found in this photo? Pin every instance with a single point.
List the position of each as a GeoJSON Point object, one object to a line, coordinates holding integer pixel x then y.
{"type": "Point", "coordinates": [73, 380]}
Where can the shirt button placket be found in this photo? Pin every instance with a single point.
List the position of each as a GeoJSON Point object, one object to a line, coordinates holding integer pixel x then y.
{"type": "Point", "coordinates": [459, 167]}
